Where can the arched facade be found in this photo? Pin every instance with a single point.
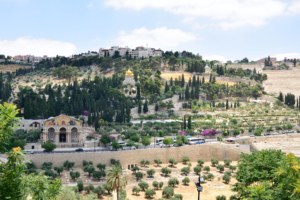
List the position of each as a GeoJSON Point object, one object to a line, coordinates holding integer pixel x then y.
{"type": "Point", "coordinates": [62, 129]}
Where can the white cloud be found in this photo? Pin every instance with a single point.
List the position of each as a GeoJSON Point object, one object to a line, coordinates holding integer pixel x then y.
{"type": "Point", "coordinates": [122, 32]}
{"type": "Point", "coordinates": [227, 14]}
{"type": "Point", "coordinates": [160, 37]}
{"type": "Point", "coordinates": [37, 47]}
{"type": "Point", "coordinates": [215, 57]}
{"type": "Point", "coordinates": [90, 5]}
{"type": "Point", "coordinates": [287, 55]}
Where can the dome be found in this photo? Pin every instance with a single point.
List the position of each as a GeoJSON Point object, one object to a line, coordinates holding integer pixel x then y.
{"type": "Point", "coordinates": [128, 73]}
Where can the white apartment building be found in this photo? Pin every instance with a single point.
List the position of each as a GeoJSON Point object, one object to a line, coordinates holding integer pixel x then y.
{"type": "Point", "coordinates": [138, 52]}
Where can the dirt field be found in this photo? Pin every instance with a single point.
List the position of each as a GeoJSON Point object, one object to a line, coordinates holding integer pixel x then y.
{"type": "Point", "coordinates": [168, 75]}
{"type": "Point", "coordinates": [10, 68]}
{"type": "Point", "coordinates": [285, 81]}
{"type": "Point", "coordinates": [211, 189]}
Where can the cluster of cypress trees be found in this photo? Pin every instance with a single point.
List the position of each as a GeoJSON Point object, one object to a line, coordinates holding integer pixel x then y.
{"type": "Point", "coordinates": [196, 66]}
{"type": "Point", "coordinates": [5, 87]}
{"type": "Point", "coordinates": [189, 124]}
{"type": "Point", "coordinates": [289, 99]}
{"type": "Point", "coordinates": [100, 97]}
{"type": "Point", "coordinates": [220, 70]}
{"type": "Point", "coordinates": [195, 86]}
{"type": "Point", "coordinates": [23, 71]}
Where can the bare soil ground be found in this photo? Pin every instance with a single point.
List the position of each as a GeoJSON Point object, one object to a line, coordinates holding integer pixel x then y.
{"type": "Point", "coordinates": [285, 81]}
{"type": "Point", "coordinates": [211, 188]}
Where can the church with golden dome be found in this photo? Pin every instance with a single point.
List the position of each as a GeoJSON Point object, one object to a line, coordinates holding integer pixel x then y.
{"type": "Point", "coordinates": [129, 81]}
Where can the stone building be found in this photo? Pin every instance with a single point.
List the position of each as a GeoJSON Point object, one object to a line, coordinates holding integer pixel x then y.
{"type": "Point", "coordinates": [63, 129]}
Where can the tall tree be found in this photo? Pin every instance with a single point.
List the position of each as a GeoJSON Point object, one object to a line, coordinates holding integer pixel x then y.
{"type": "Point", "coordinates": [115, 179]}
{"type": "Point", "coordinates": [145, 109]}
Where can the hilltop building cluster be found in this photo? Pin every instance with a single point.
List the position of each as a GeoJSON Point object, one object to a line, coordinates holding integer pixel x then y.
{"type": "Point", "coordinates": [137, 53]}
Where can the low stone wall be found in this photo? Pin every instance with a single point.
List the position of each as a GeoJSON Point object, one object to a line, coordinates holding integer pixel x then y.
{"type": "Point", "coordinates": [194, 152]}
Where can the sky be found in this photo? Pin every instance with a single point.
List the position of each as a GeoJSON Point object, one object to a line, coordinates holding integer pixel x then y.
{"type": "Point", "coordinates": [216, 29]}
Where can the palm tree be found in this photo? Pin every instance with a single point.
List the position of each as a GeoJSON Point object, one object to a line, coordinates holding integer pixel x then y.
{"type": "Point", "coordinates": [115, 179]}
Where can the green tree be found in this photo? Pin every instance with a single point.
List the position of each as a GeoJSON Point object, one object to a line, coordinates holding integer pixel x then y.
{"type": "Point", "coordinates": [197, 169]}
{"type": "Point", "coordinates": [168, 192]}
{"type": "Point", "coordinates": [145, 109]}
{"type": "Point", "coordinates": [115, 179]}
{"type": "Point", "coordinates": [166, 171]}
{"type": "Point", "coordinates": [168, 141]}
{"type": "Point", "coordinates": [74, 175]}
{"type": "Point", "coordinates": [186, 180]}
{"type": "Point", "coordinates": [185, 170]}
{"type": "Point", "coordinates": [220, 168]}
{"type": "Point", "coordinates": [221, 197]}
{"type": "Point", "coordinates": [139, 175]}
{"type": "Point", "coordinates": [69, 165]}
{"type": "Point", "coordinates": [99, 191]}
{"type": "Point", "coordinates": [157, 161]}
{"type": "Point", "coordinates": [232, 168]}
{"type": "Point", "coordinates": [214, 161]}
{"type": "Point", "coordinates": [173, 181]}
{"type": "Point", "coordinates": [150, 172]}
{"type": "Point", "coordinates": [155, 184]}
{"type": "Point", "coordinates": [59, 169]}
{"type": "Point", "coordinates": [226, 178]}
{"type": "Point", "coordinates": [89, 188]}
{"type": "Point", "coordinates": [172, 161]}
{"type": "Point", "coordinates": [185, 159]}
{"type": "Point", "coordinates": [146, 141]}
{"type": "Point", "coordinates": [149, 193]}
{"type": "Point", "coordinates": [210, 176]}
{"type": "Point", "coordinates": [80, 185]}
{"type": "Point", "coordinates": [89, 169]}
{"type": "Point", "coordinates": [206, 168]}
{"type": "Point", "coordinates": [200, 162]}
{"type": "Point", "coordinates": [49, 146]}
{"type": "Point", "coordinates": [135, 168]}
{"type": "Point", "coordinates": [143, 185]}
{"type": "Point", "coordinates": [136, 190]}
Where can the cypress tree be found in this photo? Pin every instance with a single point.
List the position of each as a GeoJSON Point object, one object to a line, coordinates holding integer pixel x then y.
{"type": "Point", "coordinates": [145, 109]}
{"type": "Point", "coordinates": [171, 82]}
{"type": "Point", "coordinates": [203, 80]}
{"type": "Point", "coordinates": [190, 122]}
{"type": "Point", "coordinates": [210, 78]}
{"type": "Point", "coordinates": [227, 106]}
{"type": "Point", "coordinates": [156, 107]}
{"type": "Point", "coordinates": [166, 87]}
{"type": "Point", "coordinates": [192, 93]}
{"type": "Point", "coordinates": [140, 108]}
{"type": "Point", "coordinates": [234, 104]}
{"type": "Point", "coordinates": [280, 97]}
{"type": "Point", "coordinates": [187, 92]}
{"type": "Point", "coordinates": [214, 80]}
{"type": "Point", "coordinates": [89, 119]}
{"type": "Point", "coordinates": [184, 123]}
{"type": "Point", "coordinates": [138, 93]}
{"type": "Point", "coordinates": [182, 81]}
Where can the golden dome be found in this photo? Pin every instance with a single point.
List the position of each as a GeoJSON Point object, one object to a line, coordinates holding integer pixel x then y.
{"type": "Point", "coordinates": [128, 73]}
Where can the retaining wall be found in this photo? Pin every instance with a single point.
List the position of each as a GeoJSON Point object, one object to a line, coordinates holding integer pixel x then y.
{"type": "Point", "coordinates": [194, 152]}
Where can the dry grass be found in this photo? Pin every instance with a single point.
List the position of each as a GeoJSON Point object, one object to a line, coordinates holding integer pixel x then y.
{"type": "Point", "coordinates": [168, 75]}
{"type": "Point", "coordinates": [11, 68]}
{"type": "Point", "coordinates": [285, 81]}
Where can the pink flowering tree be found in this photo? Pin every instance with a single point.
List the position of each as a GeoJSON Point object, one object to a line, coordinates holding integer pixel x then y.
{"type": "Point", "coordinates": [208, 132]}
{"type": "Point", "coordinates": [182, 133]}
{"type": "Point", "coordinates": [86, 113]}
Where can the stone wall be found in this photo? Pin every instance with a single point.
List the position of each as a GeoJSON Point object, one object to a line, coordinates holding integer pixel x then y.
{"type": "Point", "coordinates": [194, 152]}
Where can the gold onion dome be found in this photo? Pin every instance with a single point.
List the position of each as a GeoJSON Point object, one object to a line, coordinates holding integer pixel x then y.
{"type": "Point", "coordinates": [129, 73]}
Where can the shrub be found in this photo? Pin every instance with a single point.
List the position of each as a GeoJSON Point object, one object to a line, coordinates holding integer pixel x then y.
{"type": "Point", "coordinates": [160, 185]}
{"type": "Point", "coordinates": [80, 186]}
{"type": "Point", "coordinates": [186, 180]}
{"type": "Point", "coordinates": [143, 185]}
{"type": "Point", "coordinates": [227, 162]}
{"type": "Point", "coordinates": [69, 165]}
{"type": "Point", "coordinates": [232, 167]}
{"type": "Point", "coordinates": [99, 191]}
{"type": "Point", "coordinates": [74, 175]}
{"type": "Point", "coordinates": [89, 169]}
{"type": "Point", "coordinates": [226, 178]}
{"type": "Point", "coordinates": [206, 168]}
{"type": "Point", "coordinates": [155, 184]}
{"type": "Point", "coordinates": [228, 173]}
{"type": "Point", "coordinates": [89, 188]}
{"type": "Point", "coordinates": [210, 176]}
{"type": "Point", "coordinates": [221, 197]}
